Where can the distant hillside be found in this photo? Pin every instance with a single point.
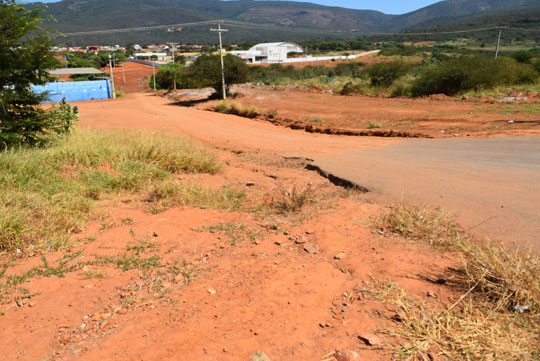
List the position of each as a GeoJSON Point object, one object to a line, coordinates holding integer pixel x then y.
{"type": "Point", "coordinates": [255, 20]}
{"type": "Point", "coordinates": [448, 11]}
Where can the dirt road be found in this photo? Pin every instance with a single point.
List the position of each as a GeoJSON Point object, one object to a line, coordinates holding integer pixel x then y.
{"type": "Point", "coordinates": [493, 184]}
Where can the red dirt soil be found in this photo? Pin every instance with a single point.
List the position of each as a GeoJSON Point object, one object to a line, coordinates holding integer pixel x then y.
{"type": "Point", "coordinates": [318, 111]}
{"type": "Point", "coordinates": [267, 295]}
{"type": "Point", "coordinates": [135, 75]}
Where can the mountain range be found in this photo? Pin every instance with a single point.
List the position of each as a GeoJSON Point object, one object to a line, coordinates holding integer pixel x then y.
{"type": "Point", "coordinates": [253, 20]}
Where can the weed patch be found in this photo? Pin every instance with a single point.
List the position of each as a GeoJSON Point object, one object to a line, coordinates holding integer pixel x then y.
{"type": "Point", "coordinates": [166, 195]}
{"type": "Point", "coordinates": [48, 194]}
{"type": "Point", "coordinates": [292, 200]}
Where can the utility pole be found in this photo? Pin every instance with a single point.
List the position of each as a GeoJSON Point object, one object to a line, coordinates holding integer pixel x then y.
{"type": "Point", "coordinates": [498, 44]}
{"type": "Point", "coordinates": [154, 73]}
{"type": "Point", "coordinates": [219, 30]}
{"type": "Point", "coordinates": [124, 72]}
{"type": "Point", "coordinates": [112, 77]}
{"type": "Point", "coordinates": [173, 49]}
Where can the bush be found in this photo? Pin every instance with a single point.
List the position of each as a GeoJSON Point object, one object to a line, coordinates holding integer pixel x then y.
{"type": "Point", "coordinates": [351, 88]}
{"type": "Point", "coordinates": [522, 56]}
{"type": "Point", "coordinates": [384, 74]}
{"type": "Point", "coordinates": [456, 75]}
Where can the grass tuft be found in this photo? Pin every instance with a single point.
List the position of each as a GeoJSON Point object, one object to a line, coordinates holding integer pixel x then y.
{"type": "Point", "coordinates": [170, 194]}
{"type": "Point", "coordinates": [48, 194]}
{"type": "Point", "coordinates": [237, 109]}
{"type": "Point", "coordinates": [292, 200]}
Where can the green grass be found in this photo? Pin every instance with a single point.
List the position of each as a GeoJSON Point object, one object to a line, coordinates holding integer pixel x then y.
{"type": "Point", "coordinates": [48, 194]}
{"type": "Point", "coordinates": [163, 196]}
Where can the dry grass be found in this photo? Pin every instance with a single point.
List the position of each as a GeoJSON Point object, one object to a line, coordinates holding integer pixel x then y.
{"type": "Point", "coordinates": [286, 200]}
{"type": "Point", "coordinates": [249, 111]}
{"type": "Point", "coordinates": [498, 318]}
{"type": "Point", "coordinates": [462, 331]}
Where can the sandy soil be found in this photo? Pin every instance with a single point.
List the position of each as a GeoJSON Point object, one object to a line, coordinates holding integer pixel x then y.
{"type": "Point", "coordinates": [316, 110]}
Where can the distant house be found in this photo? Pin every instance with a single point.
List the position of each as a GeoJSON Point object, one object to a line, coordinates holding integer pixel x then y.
{"type": "Point", "coordinates": [149, 56]}
{"type": "Point", "coordinates": [269, 52]}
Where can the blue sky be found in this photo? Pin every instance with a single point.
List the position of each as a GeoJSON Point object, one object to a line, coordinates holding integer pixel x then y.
{"type": "Point", "coordinates": [386, 6]}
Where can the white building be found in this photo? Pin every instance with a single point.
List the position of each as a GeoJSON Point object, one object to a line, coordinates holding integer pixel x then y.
{"type": "Point", "coordinates": [269, 52]}
{"type": "Point", "coordinates": [158, 56]}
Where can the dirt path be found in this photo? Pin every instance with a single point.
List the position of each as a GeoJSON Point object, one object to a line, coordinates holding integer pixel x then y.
{"type": "Point", "coordinates": [500, 201]}
{"type": "Point", "coordinates": [145, 111]}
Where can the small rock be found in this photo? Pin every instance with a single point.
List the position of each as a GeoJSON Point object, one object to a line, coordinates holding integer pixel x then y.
{"type": "Point", "coordinates": [431, 294]}
{"type": "Point", "coordinates": [179, 278]}
{"type": "Point", "coordinates": [86, 269]}
{"type": "Point", "coordinates": [250, 184]}
{"type": "Point", "coordinates": [370, 339]}
{"type": "Point", "coordinates": [347, 356]}
{"type": "Point", "coordinates": [225, 349]}
{"type": "Point", "coordinates": [278, 243]}
{"type": "Point", "coordinates": [211, 291]}
{"type": "Point", "coordinates": [259, 356]}
{"type": "Point", "coordinates": [340, 255]}
{"type": "Point", "coordinates": [511, 122]}
{"type": "Point", "coordinates": [311, 248]}
{"type": "Point", "coordinates": [32, 304]}
{"type": "Point", "coordinates": [122, 311]}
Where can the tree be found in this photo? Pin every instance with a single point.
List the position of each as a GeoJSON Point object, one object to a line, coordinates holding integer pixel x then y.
{"type": "Point", "coordinates": [167, 75]}
{"type": "Point", "coordinates": [206, 72]}
{"type": "Point", "coordinates": [24, 59]}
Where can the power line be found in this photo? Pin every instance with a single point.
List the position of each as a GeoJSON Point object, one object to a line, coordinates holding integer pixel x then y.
{"type": "Point", "coordinates": [290, 29]}
{"type": "Point", "coordinates": [146, 28]}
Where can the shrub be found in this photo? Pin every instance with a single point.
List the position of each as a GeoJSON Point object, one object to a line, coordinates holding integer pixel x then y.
{"type": "Point", "coordinates": [456, 75]}
{"type": "Point", "coordinates": [522, 56]}
{"type": "Point", "coordinates": [351, 88]}
{"type": "Point", "coordinates": [384, 74]}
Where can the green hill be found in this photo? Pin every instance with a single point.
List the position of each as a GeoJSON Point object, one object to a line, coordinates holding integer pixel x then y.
{"type": "Point", "coordinates": [250, 20]}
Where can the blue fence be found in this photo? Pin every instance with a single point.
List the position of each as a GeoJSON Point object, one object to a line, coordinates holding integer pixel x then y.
{"type": "Point", "coordinates": [75, 90]}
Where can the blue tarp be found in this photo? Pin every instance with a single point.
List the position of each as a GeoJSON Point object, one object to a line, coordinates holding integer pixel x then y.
{"type": "Point", "coordinates": [75, 90]}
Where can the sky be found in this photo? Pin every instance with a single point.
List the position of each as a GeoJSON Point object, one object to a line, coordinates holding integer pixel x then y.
{"type": "Point", "coordinates": [386, 6]}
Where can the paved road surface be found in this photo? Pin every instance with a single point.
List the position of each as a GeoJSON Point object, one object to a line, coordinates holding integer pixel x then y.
{"type": "Point", "coordinates": [492, 184]}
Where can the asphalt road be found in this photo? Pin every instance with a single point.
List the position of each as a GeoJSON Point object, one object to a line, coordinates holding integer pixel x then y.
{"type": "Point", "coordinates": [493, 185]}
